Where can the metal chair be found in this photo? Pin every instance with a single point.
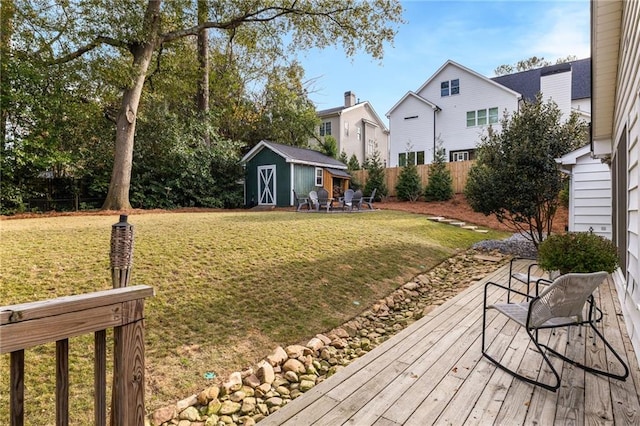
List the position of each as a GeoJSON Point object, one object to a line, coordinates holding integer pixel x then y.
{"type": "Point", "coordinates": [560, 304]}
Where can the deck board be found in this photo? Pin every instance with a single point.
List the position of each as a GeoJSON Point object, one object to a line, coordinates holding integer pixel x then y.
{"type": "Point", "coordinates": [432, 372]}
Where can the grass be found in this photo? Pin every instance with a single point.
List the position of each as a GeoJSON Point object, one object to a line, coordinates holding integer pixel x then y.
{"type": "Point", "coordinates": [230, 287]}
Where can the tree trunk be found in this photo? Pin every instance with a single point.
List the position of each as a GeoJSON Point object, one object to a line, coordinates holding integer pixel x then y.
{"type": "Point", "coordinates": [203, 59]}
{"type": "Point", "coordinates": [118, 195]}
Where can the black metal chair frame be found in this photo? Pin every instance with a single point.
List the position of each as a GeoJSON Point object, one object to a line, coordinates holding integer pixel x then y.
{"type": "Point", "coordinates": [533, 335]}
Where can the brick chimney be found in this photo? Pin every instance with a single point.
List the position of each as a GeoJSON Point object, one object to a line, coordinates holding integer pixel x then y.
{"type": "Point", "coordinates": [349, 99]}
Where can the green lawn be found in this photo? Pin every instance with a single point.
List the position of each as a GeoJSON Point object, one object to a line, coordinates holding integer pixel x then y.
{"type": "Point", "coordinates": [229, 286]}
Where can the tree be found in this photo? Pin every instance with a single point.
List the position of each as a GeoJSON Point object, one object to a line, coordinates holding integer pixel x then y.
{"type": "Point", "coordinates": [376, 177]}
{"type": "Point", "coordinates": [329, 146]}
{"type": "Point", "coordinates": [529, 64]}
{"type": "Point", "coordinates": [65, 31]}
{"type": "Point", "coordinates": [409, 187]}
{"type": "Point", "coordinates": [515, 176]}
{"type": "Point", "coordinates": [287, 114]}
{"type": "Point", "coordinates": [440, 185]}
{"type": "Point", "coordinates": [353, 163]}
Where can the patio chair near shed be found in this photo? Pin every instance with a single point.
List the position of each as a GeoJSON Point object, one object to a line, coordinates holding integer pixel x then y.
{"type": "Point", "coordinates": [369, 200]}
{"type": "Point", "coordinates": [357, 200]}
{"type": "Point", "coordinates": [560, 304]}
{"type": "Point", "coordinates": [301, 201]}
{"type": "Point", "coordinates": [346, 201]}
{"type": "Point", "coordinates": [324, 201]}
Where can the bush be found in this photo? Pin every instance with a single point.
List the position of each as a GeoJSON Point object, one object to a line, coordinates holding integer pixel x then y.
{"type": "Point", "coordinates": [577, 252]}
{"type": "Point", "coordinates": [376, 178]}
{"type": "Point", "coordinates": [409, 187]}
{"type": "Point", "coordinates": [440, 185]}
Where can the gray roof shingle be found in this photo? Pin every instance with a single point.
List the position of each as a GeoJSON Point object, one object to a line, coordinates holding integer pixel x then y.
{"type": "Point", "coordinates": [527, 82]}
{"type": "Point", "coordinates": [305, 155]}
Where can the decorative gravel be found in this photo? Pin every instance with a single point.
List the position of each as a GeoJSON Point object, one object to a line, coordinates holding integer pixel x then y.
{"type": "Point", "coordinates": [517, 245]}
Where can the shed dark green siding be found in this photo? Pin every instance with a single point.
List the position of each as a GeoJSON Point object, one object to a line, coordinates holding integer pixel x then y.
{"type": "Point", "coordinates": [266, 157]}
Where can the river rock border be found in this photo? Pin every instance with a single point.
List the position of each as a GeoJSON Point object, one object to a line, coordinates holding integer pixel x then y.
{"type": "Point", "coordinates": [248, 396]}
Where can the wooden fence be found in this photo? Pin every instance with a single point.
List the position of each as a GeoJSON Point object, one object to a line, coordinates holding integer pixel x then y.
{"type": "Point", "coordinates": [56, 320]}
{"type": "Point", "coordinates": [459, 171]}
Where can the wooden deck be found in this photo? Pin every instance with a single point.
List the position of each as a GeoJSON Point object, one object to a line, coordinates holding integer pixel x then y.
{"type": "Point", "coordinates": [433, 373]}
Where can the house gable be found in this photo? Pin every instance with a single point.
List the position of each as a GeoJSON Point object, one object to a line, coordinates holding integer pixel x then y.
{"type": "Point", "coordinates": [357, 128]}
{"type": "Point", "coordinates": [453, 108]}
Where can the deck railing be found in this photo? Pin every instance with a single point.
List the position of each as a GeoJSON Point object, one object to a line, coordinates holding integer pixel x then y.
{"type": "Point", "coordinates": [56, 320]}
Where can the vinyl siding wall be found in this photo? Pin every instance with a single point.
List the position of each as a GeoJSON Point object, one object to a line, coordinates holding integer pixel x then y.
{"type": "Point", "coordinates": [590, 197]}
{"type": "Point", "coordinates": [626, 119]}
{"type": "Point", "coordinates": [475, 93]}
{"type": "Point", "coordinates": [557, 87]}
{"type": "Point", "coordinates": [412, 129]}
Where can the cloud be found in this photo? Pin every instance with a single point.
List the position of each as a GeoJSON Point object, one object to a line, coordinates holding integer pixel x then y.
{"type": "Point", "coordinates": [566, 32]}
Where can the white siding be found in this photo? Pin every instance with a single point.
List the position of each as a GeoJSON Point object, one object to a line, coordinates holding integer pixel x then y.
{"type": "Point", "coordinates": [475, 93]}
{"type": "Point", "coordinates": [590, 197]}
{"type": "Point", "coordinates": [626, 111]}
{"type": "Point", "coordinates": [557, 87]}
{"type": "Point", "coordinates": [411, 125]}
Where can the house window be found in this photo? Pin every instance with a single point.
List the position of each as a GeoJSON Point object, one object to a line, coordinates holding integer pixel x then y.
{"type": "Point", "coordinates": [420, 157]}
{"type": "Point", "coordinates": [346, 128]}
{"type": "Point", "coordinates": [493, 115]}
{"type": "Point", "coordinates": [471, 118]}
{"type": "Point", "coordinates": [450, 87]}
{"type": "Point", "coordinates": [460, 156]}
{"type": "Point", "coordinates": [319, 174]}
{"type": "Point", "coordinates": [325, 129]}
{"type": "Point", "coordinates": [444, 88]}
{"type": "Point", "coordinates": [411, 158]}
{"type": "Point", "coordinates": [370, 145]}
{"type": "Point", "coordinates": [402, 159]}
{"type": "Point", "coordinates": [359, 132]}
{"type": "Point", "coordinates": [455, 86]}
{"type": "Point", "coordinates": [482, 117]}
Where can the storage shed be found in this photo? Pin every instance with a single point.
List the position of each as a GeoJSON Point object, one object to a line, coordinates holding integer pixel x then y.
{"type": "Point", "coordinates": [273, 171]}
{"type": "Point", "coordinates": [589, 192]}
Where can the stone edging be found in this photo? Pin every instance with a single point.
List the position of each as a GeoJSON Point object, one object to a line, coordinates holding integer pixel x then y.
{"type": "Point", "coordinates": [250, 395]}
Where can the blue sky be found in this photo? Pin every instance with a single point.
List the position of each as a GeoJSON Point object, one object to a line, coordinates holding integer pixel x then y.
{"type": "Point", "coordinates": [480, 35]}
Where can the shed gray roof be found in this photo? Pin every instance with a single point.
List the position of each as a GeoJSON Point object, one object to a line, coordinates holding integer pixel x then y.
{"type": "Point", "coordinates": [294, 154]}
{"type": "Point", "coordinates": [528, 82]}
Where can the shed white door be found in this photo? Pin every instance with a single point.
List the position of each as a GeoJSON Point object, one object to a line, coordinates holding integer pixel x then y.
{"type": "Point", "coordinates": [267, 185]}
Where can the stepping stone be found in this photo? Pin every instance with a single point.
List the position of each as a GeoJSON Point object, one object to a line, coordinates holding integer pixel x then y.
{"type": "Point", "coordinates": [460, 224]}
{"type": "Point", "coordinates": [488, 258]}
{"type": "Point", "coordinates": [481, 231]}
{"type": "Point", "coordinates": [470, 227]}
{"type": "Point", "coordinates": [435, 218]}
{"type": "Point", "coordinates": [443, 220]}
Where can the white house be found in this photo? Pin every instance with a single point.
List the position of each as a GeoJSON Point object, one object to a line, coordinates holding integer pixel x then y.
{"type": "Point", "coordinates": [589, 192]}
{"type": "Point", "coordinates": [357, 129]}
{"type": "Point", "coordinates": [456, 105]}
{"type": "Point", "coordinates": [615, 49]}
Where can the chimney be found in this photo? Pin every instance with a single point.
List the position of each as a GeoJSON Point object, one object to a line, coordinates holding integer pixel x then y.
{"type": "Point", "coordinates": [349, 99]}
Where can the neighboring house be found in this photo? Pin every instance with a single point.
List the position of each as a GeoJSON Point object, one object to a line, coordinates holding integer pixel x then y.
{"type": "Point", "coordinates": [589, 192]}
{"type": "Point", "coordinates": [273, 171]}
{"type": "Point", "coordinates": [357, 129]}
{"type": "Point", "coordinates": [615, 53]}
{"type": "Point", "coordinates": [456, 105]}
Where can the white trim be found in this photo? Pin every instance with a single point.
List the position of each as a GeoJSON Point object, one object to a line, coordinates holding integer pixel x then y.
{"type": "Point", "coordinates": [267, 192]}
{"type": "Point", "coordinates": [415, 95]}
{"type": "Point", "coordinates": [470, 71]}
